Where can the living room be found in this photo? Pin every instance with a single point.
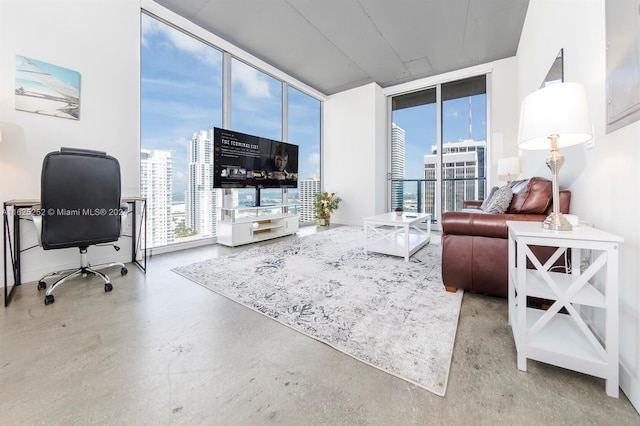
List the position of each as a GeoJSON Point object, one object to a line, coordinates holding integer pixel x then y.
{"type": "Point", "coordinates": [102, 39]}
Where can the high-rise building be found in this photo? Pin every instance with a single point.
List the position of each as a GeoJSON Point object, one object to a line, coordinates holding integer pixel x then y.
{"type": "Point", "coordinates": [200, 197]}
{"type": "Point", "coordinates": [308, 189]}
{"type": "Point", "coordinates": [155, 186]}
{"type": "Point", "coordinates": [397, 166]}
{"type": "Point", "coordinates": [464, 167]}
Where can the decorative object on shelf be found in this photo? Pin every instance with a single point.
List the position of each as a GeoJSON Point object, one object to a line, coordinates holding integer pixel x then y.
{"type": "Point", "coordinates": [509, 167]}
{"type": "Point", "coordinates": [554, 117]}
{"type": "Point", "coordinates": [399, 211]}
{"type": "Point", "coordinates": [326, 203]}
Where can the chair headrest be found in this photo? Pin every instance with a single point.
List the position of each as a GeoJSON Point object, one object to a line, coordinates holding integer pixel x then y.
{"type": "Point", "coordinates": [67, 150]}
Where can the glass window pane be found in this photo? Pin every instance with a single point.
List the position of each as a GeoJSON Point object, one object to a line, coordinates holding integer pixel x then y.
{"type": "Point", "coordinates": [419, 171]}
{"type": "Point", "coordinates": [256, 109]}
{"type": "Point", "coordinates": [413, 140]}
{"type": "Point", "coordinates": [304, 131]}
{"type": "Point", "coordinates": [464, 146]}
{"type": "Point", "coordinates": [181, 101]}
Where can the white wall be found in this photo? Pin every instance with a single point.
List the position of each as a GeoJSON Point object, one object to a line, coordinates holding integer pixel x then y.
{"type": "Point", "coordinates": [605, 188]}
{"type": "Point", "coordinates": [503, 113]}
{"type": "Point", "coordinates": [355, 152]}
{"type": "Point", "coordinates": [100, 40]}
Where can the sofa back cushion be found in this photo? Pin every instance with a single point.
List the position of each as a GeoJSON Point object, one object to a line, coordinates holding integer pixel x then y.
{"type": "Point", "coordinates": [531, 196]}
{"type": "Point", "coordinates": [499, 201]}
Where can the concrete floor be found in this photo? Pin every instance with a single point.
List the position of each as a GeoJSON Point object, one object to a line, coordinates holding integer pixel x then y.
{"type": "Point", "coordinates": [162, 350]}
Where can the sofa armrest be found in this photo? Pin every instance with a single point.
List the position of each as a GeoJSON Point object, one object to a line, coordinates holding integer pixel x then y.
{"type": "Point", "coordinates": [471, 204]}
{"type": "Point", "coordinates": [483, 224]}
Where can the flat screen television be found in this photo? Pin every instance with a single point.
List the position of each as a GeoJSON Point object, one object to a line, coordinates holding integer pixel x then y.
{"type": "Point", "coordinates": [246, 161]}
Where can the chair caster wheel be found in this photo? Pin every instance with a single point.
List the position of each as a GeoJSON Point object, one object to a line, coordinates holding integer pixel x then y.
{"type": "Point", "coordinates": [108, 287]}
{"type": "Point", "coordinates": [124, 271]}
{"type": "Point", "coordinates": [41, 285]}
{"type": "Point", "coordinates": [49, 299]}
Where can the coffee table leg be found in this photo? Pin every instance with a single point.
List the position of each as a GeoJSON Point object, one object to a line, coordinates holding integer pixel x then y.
{"type": "Point", "coordinates": [406, 242]}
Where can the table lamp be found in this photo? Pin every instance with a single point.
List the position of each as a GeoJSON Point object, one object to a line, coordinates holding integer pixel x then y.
{"type": "Point", "coordinates": [509, 167]}
{"type": "Point", "coordinates": [551, 118]}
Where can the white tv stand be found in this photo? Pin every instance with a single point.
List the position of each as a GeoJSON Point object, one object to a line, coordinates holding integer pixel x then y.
{"type": "Point", "coordinates": [245, 225]}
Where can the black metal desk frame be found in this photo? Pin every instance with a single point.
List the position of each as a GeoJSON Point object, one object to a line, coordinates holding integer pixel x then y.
{"type": "Point", "coordinates": [18, 207]}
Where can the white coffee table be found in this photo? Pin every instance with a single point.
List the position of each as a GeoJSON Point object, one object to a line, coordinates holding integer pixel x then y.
{"type": "Point", "coordinates": [389, 233]}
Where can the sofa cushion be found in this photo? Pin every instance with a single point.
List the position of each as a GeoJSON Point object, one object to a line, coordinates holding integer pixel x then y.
{"type": "Point", "coordinates": [499, 201]}
{"type": "Point", "coordinates": [530, 196]}
{"type": "Point", "coordinates": [487, 200]}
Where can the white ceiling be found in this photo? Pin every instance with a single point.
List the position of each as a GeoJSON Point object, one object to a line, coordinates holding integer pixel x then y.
{"type": "Point", "coordinates": [335, 45]}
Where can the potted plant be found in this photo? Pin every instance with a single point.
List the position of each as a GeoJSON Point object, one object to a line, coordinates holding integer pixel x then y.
{"type": "Point", "coordinates": [326, 203]}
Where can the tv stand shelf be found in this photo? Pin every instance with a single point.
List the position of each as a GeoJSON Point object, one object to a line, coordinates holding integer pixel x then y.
{"type": "Point", "coordinates": [250, 224]}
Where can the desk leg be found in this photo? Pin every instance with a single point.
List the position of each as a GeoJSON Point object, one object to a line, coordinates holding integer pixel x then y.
{"type": "Point", "coordinates": [14, 253]}
{"type": "Point", "coordinates": [5, 228]}
{"type": "Point", "coordinates": [134, 234]}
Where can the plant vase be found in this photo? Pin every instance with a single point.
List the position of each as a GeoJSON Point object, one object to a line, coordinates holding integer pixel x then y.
{"type": "Point", "coordinates": [323, 221]}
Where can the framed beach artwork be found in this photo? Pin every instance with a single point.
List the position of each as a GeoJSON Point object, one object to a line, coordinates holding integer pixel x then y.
{"type": "Point", "coordinates": [43, 88]}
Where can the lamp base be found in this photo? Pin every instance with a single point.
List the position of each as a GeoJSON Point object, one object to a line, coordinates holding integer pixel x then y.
{"type": "Point", "coordinates": [557, 222]}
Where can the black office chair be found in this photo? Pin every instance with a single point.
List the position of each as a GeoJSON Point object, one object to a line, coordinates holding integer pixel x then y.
{"type": "Point", "coordinates": [80, 207]}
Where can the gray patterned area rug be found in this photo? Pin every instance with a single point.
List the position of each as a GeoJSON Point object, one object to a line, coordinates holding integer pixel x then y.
{"type": "Point", "coordinates": [393, 315]}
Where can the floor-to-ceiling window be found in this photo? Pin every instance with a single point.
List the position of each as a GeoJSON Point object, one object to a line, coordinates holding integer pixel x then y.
{"type": "Point", "coordinates": [181, 101]}
{"type": "Point", "coordinates": [304, 131]}
{"type": "Point", "coordinates": [438, 146]}
{"type": "Point", "coordinates": [182, 82]}
{"type": "Point", "coordinates": [464, 142]}
{"type": "Point", "coordinates": [413, 137]}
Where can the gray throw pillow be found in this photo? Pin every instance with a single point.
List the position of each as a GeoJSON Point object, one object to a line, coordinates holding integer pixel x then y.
{"type": "Point", "coordinates": [499, 202]}
{"type": "Point", "coordinates": [487, 200]}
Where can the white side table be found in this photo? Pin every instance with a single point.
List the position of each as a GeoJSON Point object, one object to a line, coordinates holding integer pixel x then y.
{"type": "Point", "coordinates": [389, 233]}
{"type": "Point", "coordinates": [565, 340]}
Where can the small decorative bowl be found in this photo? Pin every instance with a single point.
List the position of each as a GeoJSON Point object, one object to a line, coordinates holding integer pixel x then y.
{"type": "Point", "coordinates": [399, 211]}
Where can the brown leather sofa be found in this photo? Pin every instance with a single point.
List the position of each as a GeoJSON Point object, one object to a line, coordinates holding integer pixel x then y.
{"type": "Point", "coordinates": [475, 243]}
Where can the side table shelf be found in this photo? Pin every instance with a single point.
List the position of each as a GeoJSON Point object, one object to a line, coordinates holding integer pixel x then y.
{"type": "Point", "coordinates": [561, 335]}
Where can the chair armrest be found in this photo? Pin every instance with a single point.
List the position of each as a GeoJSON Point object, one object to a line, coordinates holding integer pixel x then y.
{"type": "Point", "coordinates": [483, 224]}
{"type": "Point", "coordinates": [471, 204]}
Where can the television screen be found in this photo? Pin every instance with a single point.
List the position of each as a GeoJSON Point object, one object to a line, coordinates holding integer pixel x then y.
{"type": "Point", "coordinates": [246, 161]}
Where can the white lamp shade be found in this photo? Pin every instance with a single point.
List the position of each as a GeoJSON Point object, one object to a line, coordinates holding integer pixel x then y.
{"type": "Point", "coordinates": [560, 109]}
{"type": "Point", "coordinates": [509, 166]}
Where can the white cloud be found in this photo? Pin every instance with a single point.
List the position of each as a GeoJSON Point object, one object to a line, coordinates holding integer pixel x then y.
{"type": "Point", "coordinates": [252, 81]}
{"type": "Point", "coordinates": [314, 159]}
{"type": "Point", "coordinates": [179, 40]}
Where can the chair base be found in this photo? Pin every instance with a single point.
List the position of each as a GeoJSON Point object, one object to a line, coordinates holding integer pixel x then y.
{"type": "Point", "coordinates": [84, 270]}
